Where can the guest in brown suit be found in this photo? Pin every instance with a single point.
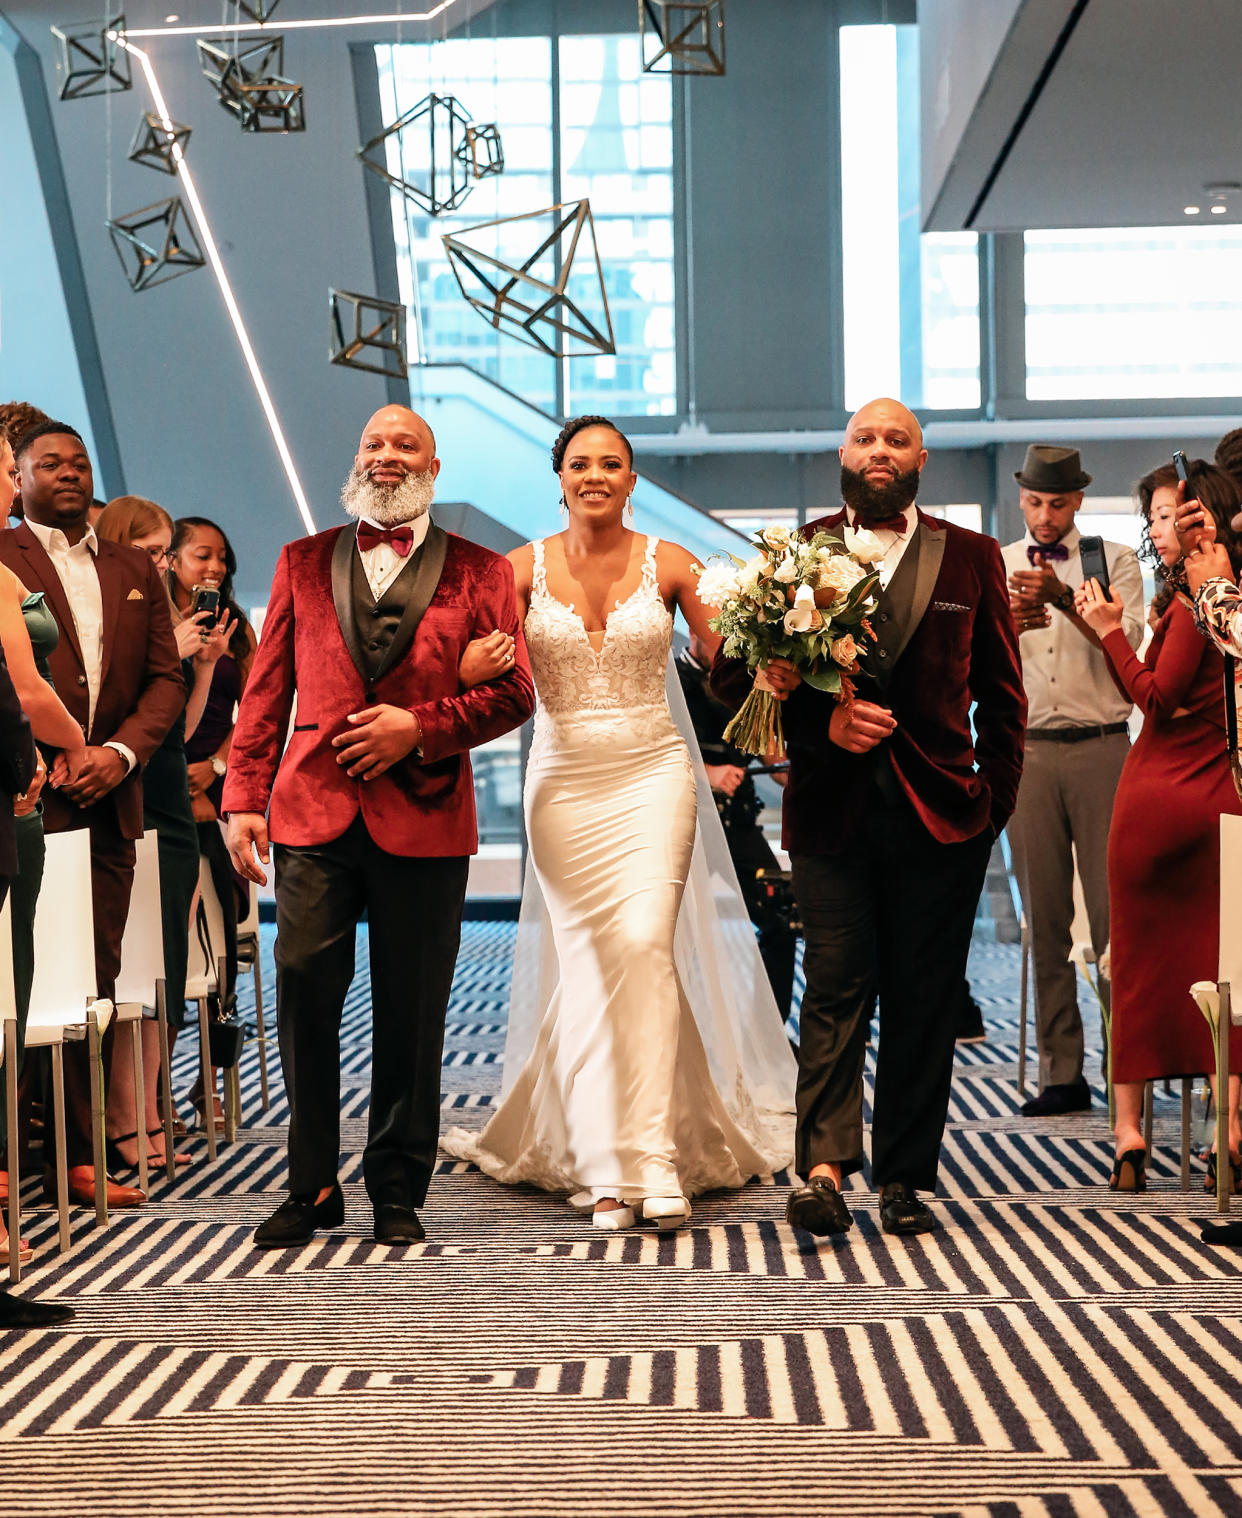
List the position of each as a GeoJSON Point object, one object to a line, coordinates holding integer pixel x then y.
{"type": "Point", "coordinates": [117, 671]}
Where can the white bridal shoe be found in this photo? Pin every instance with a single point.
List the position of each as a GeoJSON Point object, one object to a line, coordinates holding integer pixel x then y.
{"type": "Point", "coordinates": [666, 1211]}
{"type": "Point", "coordinates": [614, 1218]}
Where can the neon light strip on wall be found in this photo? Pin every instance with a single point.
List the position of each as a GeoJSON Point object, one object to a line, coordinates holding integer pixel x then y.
{"type": "Point", "coordinates": [222, 279]}
{"type": "Point", "coordinates": [393, 18]}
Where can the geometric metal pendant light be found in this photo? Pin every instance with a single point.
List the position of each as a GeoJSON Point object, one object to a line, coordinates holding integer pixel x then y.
{"type": "Point", "coordinates": [368, 333]}
{"type": "Point", "coordinates": [153, 244]}
{"type": "Point", "coordinates": [153, 146]}
{"type": "Point", "coordinates": [91, 60]}
{"type": "Point", "coordinates": [682, 36]}
{"type": "Point", "coordinates": [446, 171]}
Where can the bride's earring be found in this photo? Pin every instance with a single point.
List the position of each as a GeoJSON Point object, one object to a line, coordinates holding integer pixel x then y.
{"type": "Point", "coordinates": [627, 512]}
{"type": "Point", "coordinates": [564, 508]}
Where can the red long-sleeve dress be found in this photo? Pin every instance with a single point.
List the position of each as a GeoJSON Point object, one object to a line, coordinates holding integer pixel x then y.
{"type": "Point", "coordinates": [1164, 852]}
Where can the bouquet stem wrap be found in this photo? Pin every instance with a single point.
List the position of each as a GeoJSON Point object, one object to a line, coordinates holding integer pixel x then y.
{"type": "Point", "coordinates": [756, 729]}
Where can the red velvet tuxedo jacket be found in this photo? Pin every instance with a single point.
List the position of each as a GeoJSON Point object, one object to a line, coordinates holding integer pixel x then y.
{"type": "Point", "coordinates": [959, 650]}
{"type": "Point", "coordinates": [141, 692]}
{"type": "Point", "coordinates": [418, 807]}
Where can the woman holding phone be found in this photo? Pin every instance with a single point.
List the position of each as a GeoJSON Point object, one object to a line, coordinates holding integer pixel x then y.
{"type": "Point", "coordinates": [201, 559]}
{"type": "Point", "coordinates": [1164, 845]}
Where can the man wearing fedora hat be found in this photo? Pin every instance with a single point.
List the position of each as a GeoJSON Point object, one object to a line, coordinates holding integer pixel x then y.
{"type": "Point", "coordinates": [1076, 744]}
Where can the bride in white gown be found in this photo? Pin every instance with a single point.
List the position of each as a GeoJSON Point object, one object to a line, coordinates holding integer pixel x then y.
{"type": "Point", "coordinates": [630, 1098]}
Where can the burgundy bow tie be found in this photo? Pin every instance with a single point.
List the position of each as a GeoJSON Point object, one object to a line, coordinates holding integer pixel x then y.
{"type": "Point", "coordinates": [399, 539]}
{"type": "Point", "coordinates": [1039, 551]}
{"type": "Point", "coordinates": [895, 524]}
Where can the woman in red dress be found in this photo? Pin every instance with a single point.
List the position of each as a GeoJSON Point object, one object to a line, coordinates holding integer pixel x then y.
{"type": "Point", "coordinates": [1164, 843]}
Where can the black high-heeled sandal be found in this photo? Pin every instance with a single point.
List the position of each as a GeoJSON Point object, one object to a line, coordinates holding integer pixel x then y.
{"type": "Point", "coordinates": [112, 1153]}
{"type": "Point", "coordinates": [1129, 1171]}
{"type": "Point", "coordinates": [1235, 1175]}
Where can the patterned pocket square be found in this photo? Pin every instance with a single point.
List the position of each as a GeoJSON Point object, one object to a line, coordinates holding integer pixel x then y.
{"type": "Point", "coordinates": [949, 606]}
{"type": "Point", "coordinates": [134, 595]}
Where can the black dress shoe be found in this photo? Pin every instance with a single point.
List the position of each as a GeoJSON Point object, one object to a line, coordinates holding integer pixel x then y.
{"type": "Point", "coordinates": [818, 1207]}
{"type": "Point", "coordinates": [395, 1224]}
{"type": "Point", "coordinates": [1053, 1101]}
{"type": "Point", "coordinates": [17, 1312]}
{"type": "Point", "coordinates": [297, 1217]}
{"type": "Point", "coordinates": [901, 1212]}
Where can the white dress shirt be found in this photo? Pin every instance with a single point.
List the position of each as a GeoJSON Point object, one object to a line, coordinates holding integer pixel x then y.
{"type": "Point", "coordinates": [893, 543]}
{"type": "Point", "coordinates": [382, 564]}
{"type": "Point", "coordinates": [1067, 679]}
{"type": "Point", "coordinates": [74, 564]}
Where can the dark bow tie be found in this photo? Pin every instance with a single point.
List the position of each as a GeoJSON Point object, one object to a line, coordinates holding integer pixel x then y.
{"type": "Point", "coordinates": [399, 539]}
{"type": "Point", "coordinates": [895, 524]}
{"type": "Point", "coordinates": [1037, 552]}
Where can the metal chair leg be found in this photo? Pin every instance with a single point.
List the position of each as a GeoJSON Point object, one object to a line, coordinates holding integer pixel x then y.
{"type": "Point", "coordinates": [1224, 1174]}
{"type": "Point", "coordinates": [1022, 997]}
{"type": "Point", "coordinates": [230, 1107]}
{"type": "Point", "coordinates": [15, 1180]}
{"type": "Point", "coordinates": [62, 1164]}
{"type": "Point", "coordinates": [209, 1085]}
{"type": "Point", "coordinates": [260, 1029]}
{"type": "Point", "coordinates": [140, 1100]}
{"type": "Point", "coordinates": [161, 1019]}
{"type": "Point", "coordinates": [1187, 1084]}
{"type": "Point", "coordinates": [95, 1051]}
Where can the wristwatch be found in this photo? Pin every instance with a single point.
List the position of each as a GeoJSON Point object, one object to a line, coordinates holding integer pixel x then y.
{"type": "Point", "coordinates": [217, 764]}
{"type": "Point", "coordinates": [1065, 601]}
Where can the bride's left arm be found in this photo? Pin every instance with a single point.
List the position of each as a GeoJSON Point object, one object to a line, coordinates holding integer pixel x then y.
{"type": "Point", "coordinates": [679, 572]}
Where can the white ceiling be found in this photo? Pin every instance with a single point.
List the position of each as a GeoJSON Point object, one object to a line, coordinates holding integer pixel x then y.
{"type": "Point", "coordinates": [1139, 112]}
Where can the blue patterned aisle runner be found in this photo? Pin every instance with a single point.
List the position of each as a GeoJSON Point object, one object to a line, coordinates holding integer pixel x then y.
{"type": "Point", "coordinates": [1053, 1349]}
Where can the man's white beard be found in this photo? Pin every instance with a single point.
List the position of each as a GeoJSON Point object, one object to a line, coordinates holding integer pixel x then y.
{"type": "Point", "coordinates": [388, 505]}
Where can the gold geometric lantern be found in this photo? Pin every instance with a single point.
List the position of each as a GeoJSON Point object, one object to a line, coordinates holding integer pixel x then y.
{"type": "Point", "coordinates": [682, 36]}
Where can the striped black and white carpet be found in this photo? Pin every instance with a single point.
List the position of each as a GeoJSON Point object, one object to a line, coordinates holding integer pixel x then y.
{"type": "Point", "coordinates": [1053, 1349]}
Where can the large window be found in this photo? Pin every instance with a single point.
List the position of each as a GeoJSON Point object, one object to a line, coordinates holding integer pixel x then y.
{"type": "Point", "coordinates": [615, 149]}
{"type": "Point", "coordinates": [911, 315]}
{"type": "Point", "coordinates": [1132, 313]}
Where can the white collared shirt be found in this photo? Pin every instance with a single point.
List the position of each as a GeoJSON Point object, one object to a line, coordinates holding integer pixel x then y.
{"type": "Point", "coordinates": [74, 564]}
{"type": "Point", "coordinates": [382, 564]}
{"type": "Point", "coordinates": [893, 543]}
{"type": "Point", "coordinates": [1067, 679]}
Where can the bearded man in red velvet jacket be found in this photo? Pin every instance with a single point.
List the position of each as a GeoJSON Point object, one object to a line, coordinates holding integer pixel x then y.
{"type": "Point", "coordinates": [891, 810]}
{"type": "Point", "coordinates": [370, 809]}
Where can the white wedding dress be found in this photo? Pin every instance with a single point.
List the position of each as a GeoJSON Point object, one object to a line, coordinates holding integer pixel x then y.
{"type": "Point", "coordinates": [615, 1085]}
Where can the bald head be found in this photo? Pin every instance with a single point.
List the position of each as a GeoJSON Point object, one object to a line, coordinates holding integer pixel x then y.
{"type": "Point", "coordinates": [396, 420]}
{"type": "Point", "coordinates": [881, 459]}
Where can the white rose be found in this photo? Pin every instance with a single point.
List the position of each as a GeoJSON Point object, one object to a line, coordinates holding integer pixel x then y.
{"type": "Point", "coordinates": [838, 572]}
{"type": "Point", "coordinates": [753, 568]}
{"type": "Point", "coordinates": [776, 537]}
{"type": "Point", "coordinates": [802, 616]}
{"type": "Point", "coordinates": [786, 571]}
{"type": "Point", "coordinates": [864, 545]}
{"type": "Point", "coordinates": [718, 583]}
{"type": "Point", "coordinates": [844, 650]}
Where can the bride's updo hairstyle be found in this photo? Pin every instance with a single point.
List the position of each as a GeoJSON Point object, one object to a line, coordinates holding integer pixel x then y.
{"type": "Point", "coordinates": [578, 424]}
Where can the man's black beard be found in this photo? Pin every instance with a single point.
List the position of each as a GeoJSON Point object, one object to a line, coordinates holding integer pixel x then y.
{"type": "Point", "coordinates": [872, 503]}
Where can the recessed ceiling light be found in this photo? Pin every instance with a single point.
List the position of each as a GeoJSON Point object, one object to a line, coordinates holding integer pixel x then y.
{"type": "Point", "coordinates": [1190, 210]}
{"type": "Point", "coordinates": [1219, 210]}
{"type": "Point", "coordinates": [168, 20]}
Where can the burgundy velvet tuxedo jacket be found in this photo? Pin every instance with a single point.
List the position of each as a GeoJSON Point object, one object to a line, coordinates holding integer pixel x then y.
{"type": "Point", "coordinates": [418, 808]}
{"type": "Point", "coordinates": [141, 692]}
{"type": "Point", "coordinates": [958, 650]}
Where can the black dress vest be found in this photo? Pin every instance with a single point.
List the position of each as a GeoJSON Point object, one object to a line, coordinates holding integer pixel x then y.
{"type": "Point", "coordinates": [889, 622]}
{"type": "Point", "coordinates": [376, 622]}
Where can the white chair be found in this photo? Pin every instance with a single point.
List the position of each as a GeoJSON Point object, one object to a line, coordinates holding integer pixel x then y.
{"type": "Point", "coordinates": [207, 973]}
{"type": "Point", "coordinates": [248, 953]}
{"type": "Point", "coordinates": [8, 1059]}
{"type": "Point", "coordinates": [1216, 998]}
{"type": "Point", "coordinates": [63, 1004]}
{"type": "Point", "coordinates": [140, 991]}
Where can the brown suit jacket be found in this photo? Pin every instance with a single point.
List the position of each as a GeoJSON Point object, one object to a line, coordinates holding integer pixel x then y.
{"type": "Point", "coordinates": [141, 690]}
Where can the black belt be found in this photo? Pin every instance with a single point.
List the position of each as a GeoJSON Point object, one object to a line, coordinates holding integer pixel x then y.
{"type": "Point", "coordinates": [1074, 734]}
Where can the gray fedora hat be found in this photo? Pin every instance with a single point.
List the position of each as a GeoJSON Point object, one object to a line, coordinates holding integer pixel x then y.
{"type": "Point", "coordinates": [1051, 470]}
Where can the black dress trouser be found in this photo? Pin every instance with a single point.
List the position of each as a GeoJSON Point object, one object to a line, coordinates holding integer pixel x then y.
{"type": "Point", "coordinates": [413, 908]}
{"type": "Point", "coordinates": [891, 916]}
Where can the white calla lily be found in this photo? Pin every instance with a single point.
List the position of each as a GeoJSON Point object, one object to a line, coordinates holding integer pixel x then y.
{"type": "Point", "coordinates": [863, 544]}
{"type": "Point", "coordinates": [801, 616]}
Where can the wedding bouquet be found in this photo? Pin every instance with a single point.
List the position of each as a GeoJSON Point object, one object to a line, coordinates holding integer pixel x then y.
{"type": "Point", "coordinates": [805, 600]}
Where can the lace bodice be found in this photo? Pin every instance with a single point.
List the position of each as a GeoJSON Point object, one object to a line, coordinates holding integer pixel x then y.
{"type": "Point", "coordinates": [603, 697]}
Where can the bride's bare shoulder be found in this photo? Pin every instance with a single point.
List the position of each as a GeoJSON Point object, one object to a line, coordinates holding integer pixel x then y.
{"type": "Point", "coordinates": [523, 561]}
{"type": "Point", "coordinates": [675, 565]}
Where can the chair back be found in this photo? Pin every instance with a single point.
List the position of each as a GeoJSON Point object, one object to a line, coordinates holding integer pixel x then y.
{"type": "Point", "coordinates": [142, 948]}
{"type": "Point", "coordinates": [206, 934]}
{"type": "Point", "coordinates": [64, 935]}
{"type": "Point", "coordinates": [1230, 967]}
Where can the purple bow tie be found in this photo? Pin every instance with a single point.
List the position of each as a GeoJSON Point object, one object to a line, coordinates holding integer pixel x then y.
{"type": "Point", "coordinates": [1037, 552]}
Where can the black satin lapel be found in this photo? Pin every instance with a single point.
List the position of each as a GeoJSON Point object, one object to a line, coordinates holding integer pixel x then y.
{"type": "Point", "coordinates": [427, 573]}
{"type": "Point", "coordinates": [931, 552]}
{"type": "Point", "coordinates": [343, 595]}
